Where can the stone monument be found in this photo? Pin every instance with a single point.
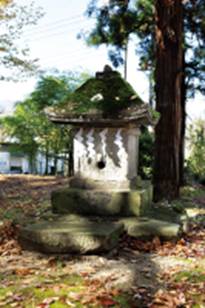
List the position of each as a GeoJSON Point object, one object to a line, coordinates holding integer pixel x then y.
{"type": "Point", "coordinates": [106, 138]}
{"type": "Point", "coordinates": [105, 197]}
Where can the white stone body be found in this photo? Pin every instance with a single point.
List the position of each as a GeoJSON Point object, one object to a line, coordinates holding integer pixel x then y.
{"type": "Point", "coordinates": [107, 155]}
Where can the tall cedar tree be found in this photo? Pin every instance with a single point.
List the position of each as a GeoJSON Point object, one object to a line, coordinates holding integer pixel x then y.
{"type": "Point", "coordinates": [169, 68]}
{"type": "Point", "coordinates": [138, 19]}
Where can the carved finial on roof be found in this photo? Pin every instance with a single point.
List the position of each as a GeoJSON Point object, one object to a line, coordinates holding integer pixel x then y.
{"type": "Point", "coordinates": [107, 72]}
{"type": "Point", "coordinates": [107, 68]}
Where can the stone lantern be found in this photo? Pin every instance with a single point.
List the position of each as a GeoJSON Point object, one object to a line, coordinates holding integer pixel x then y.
{"type": "Point", "coordinates": [104, 198]}
{"type": "Point", "coordinates": [106, 115]}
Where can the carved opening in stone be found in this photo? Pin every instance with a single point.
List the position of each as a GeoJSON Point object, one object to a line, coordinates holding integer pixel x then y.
{"type": "Point", "coordinates": [101, 164]}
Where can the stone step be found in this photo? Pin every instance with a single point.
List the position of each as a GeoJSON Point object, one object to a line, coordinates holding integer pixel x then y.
{"type": "Point", "coordinates": [145, 227]}
{"type": "Point", "coordinates": [113, 203]}
{"type": "Point", "coordinates": [71, 236]}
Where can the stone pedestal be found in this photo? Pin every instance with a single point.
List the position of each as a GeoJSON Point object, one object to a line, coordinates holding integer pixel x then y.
{"type": "Point", "coordinates": [110, 202]}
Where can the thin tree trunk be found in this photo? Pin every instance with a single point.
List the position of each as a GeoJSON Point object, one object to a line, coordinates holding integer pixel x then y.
{"type": "Point", "coordinates": [169, 39]}
{"type": "Point", "coordinates": [32, 163]}
{"type": "Point", "coordinates": [70, 162]}
{"type": "Point", "coordinates": [183, 125]}
{"type": "Point", "coordinates": [55, 163]}
{"type": "Point", "coordinates": [126, 60]}
{"type": "Point", "coordinates": [47, 158]}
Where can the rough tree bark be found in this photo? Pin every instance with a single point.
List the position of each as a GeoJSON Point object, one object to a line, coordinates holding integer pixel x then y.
{"type": "Point", "coordinates": [169, 68]}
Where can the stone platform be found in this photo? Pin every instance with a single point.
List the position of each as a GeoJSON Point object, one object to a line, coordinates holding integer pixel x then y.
{"type": "Point", "coordinates": [147, 227]}
{"type": "Point", "coordinates": [79, 234]}
{"type": "Point", "coordinates": [71, 235]}
{"type": "Point", "coordinates": [102, 202]}
{"type": "Point", "coordinates": [90, 220]}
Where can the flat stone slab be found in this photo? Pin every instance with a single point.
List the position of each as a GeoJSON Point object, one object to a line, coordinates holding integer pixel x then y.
{"type": "Point", "coordinates": [71, 236]}
{"type": "Point", "coordinates": [102, 202]}
{"type": "Point", "coordinates": [145, 227]}
{"type": "Point", "coordinates": [170, 214]}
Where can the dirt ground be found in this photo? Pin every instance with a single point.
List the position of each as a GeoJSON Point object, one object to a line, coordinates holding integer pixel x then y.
{"type": "Point", "coordinates": [135, 274]}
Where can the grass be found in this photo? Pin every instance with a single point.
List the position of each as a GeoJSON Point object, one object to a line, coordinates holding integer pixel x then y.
{"type": "Point", "coordinates": [191, 276]}
{"type": "Point", "coordinates": [192, 191]}
{"type": "Point", "coordinates": [58, 291]}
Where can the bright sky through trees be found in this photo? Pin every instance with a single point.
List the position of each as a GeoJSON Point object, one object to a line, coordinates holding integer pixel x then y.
{"type": "Point", "coordinates": [54, 41]}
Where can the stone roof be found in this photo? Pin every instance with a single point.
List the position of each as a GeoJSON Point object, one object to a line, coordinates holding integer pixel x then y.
{"type": "Point", "coordinates": [106, 99]}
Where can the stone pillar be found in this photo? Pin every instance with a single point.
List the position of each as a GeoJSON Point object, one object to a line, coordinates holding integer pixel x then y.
{"type": "Point", "coordinates": [133, 154]}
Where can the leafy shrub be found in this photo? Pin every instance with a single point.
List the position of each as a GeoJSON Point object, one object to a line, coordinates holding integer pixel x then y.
{"type": "Point", "coordinates": [196, 150]}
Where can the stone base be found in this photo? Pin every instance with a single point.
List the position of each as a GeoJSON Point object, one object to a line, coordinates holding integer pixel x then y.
{"type": "Point", "coordinates": [71, 236]}
{"type": "Point", "coordinates": [145, 227]}
{"type": "Point", "coordinates": [77, 234]}
{"type": "Point", "coordinates": [169, 213]}
{"type": "Point", "coordinates": [85, 183]}
{"type": "Point", "coordinates": [102, 203]}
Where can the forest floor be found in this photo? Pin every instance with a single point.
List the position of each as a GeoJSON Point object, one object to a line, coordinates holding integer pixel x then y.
{"type": "Point", "coordinates": [138, 273]}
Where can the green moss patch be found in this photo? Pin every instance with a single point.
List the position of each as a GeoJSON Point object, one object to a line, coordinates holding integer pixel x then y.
{"type": "Point", "coordinates": [191, 276]}
{"type": "Point", "coordinates": [190, 191]}
{"type": "Point", "coordinates": [112, 94]}
{"type": "Point", "coordinates": [59, 291]}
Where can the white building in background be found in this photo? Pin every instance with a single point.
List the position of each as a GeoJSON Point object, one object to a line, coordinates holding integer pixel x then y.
{"type": "Point", "coordinates": [41, 164]}
{"type": "Point", "coordinates": [12, 162]}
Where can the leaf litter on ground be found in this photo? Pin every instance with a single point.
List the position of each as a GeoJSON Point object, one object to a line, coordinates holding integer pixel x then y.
{"type": "Point", "coordinates": [165, 274]}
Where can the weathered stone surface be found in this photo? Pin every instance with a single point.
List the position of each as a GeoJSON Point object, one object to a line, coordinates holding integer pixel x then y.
{"type": "Point", "coordinates": [71, 235]}
{"type": "Point", "coordinates": [144, 227]}
{"type": "Point", "coordinates": [103, 203]}
{"type": "Point", "coordinates": [105, 157]}
{"type": "Point", "coordinates": [166, 212]}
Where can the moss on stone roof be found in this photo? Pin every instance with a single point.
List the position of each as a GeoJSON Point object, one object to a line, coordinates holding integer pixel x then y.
{"type": "Point", "coordinates": [106, 100]}
{"type": "Point", "coordinates": [108, 93]}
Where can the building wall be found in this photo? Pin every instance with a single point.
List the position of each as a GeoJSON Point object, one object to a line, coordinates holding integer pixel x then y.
{"type": "Point", "coordinates": [11, 163]}
{"type": "Point", "coordinates": [4, 162]}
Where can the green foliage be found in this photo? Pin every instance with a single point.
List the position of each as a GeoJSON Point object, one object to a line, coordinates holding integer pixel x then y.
{"type": "Point", "coordinates": [55, 88]}
{"type": "Point", "coordinates": [114, 23]}
{"type": "Point", "coordinates": [14, 61]}
{"type": "Point", "coordinates": [21, 126]}
{"type": "Point", "coordinates": [119, 20]}
{"type": "Point", "coordinates": [194, 44]}
{"type": "Point", "coordinates": [30, 125]}
{"type": "Point", "coordinates": [196, 159]}
{"type": "Point", "coordinates": [146, 153]}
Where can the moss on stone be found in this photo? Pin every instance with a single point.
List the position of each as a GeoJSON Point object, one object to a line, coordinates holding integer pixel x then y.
{"type": "Point", "coordinates": [107, 93]}
{"type": "Point", "coordinates": [73, 236]}
{"type": "Point", "coordinates": [170, 213]}
{"type": "Point", "coordinates": [146, 227]}
{"type": "Point", "coordinates": [102, 203]}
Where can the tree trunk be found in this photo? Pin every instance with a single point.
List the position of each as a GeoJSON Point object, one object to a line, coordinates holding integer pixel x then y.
{"type": "Point", "coordinates": [32, 162]}
{"type": "Point", "coordinates": [47, 159]}
{"type": "Point", "coordinates": [183, 125]}
{"type": "Point", "coordinates": [55, 163]}
{"type": "Point", "coordinates": [169, 62]}
{"type": "Point", "coordinates": [70, 162]}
